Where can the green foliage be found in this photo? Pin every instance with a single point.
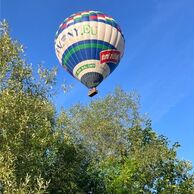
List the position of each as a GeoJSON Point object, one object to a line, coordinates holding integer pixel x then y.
{"type": "Point", "coordinates": [103, 124]}
{"type": "Point", "coordinates": [104, 147]}
{"type": "Point", "coordinates": [127, 156]}
{"type": "Point", "coordinates": [25, 121]}
{"type": "Point", "coordinates": [33, 151]}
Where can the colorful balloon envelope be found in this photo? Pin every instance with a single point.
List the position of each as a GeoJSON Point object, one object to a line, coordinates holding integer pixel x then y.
{"type": "Point", "coordinates": [89, 45]}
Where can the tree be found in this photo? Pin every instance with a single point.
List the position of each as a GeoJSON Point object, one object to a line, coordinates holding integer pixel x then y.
{"type": "Point", "coordinates": [35, 157]}
{"type": "Point", "coordinates": [126, 153]}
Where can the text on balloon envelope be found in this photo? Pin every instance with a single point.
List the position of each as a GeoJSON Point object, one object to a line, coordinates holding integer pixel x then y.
{"type": "Point", "coordinates": [109, 56]}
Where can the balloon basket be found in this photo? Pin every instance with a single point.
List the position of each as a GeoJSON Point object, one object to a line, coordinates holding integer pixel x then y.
{"type": "Point", "coordinates": [92, 92]}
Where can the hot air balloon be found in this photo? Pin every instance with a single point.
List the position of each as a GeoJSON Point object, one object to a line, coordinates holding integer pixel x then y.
{"type": "Point", "coordinates": [89, 45]}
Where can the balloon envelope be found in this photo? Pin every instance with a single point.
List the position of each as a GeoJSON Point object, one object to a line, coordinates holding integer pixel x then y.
{"type": "Point", "coordinates": [89, 45]}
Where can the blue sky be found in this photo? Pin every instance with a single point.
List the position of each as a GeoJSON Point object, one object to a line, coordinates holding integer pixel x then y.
{"type": "Point", "coordinates": [158, 62]}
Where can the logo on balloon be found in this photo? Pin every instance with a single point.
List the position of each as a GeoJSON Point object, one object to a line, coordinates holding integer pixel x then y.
{"type": "Point", "coordinates": [86, 66]}
{"type": "Point", "coordinates": [109, 56]}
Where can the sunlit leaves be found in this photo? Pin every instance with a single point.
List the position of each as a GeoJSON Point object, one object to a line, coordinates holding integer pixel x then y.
{"type": "Point", "coordinates": [127, 156]}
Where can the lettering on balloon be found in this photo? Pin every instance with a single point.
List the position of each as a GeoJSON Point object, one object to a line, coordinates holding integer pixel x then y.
{"type": "Point", "coordinates": [74, 32]}
{"type": "Point", "coordinates": [109, 56]}
{"type": "Point", "coordinates": [88, 29]}
{"type": "Point", "coordinates": [87, 66]}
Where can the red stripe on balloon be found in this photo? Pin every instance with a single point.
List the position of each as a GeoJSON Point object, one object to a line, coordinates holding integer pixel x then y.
{"type": "Point", "coordinates": [63, 26]}
{"type": "Point", "coordinates": [93, 17]}
{"type": "Point", "coordinates": [101, 15]}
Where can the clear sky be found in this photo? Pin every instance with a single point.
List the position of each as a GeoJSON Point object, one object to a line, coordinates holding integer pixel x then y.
{"type": "Point", "coordinates": [158, 62]}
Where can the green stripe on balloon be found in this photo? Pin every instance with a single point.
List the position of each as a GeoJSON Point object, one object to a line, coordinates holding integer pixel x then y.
{"type": "Point", "coordinates": [109, 20]}
{"type": "Point", "coordinates": [77, 19]}
{"type": "Point", "coordinates": [83, 46]}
